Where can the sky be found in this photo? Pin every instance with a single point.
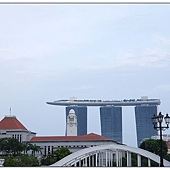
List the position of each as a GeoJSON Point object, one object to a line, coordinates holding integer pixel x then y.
{"type": "Point", "coordinates": [50, 52]}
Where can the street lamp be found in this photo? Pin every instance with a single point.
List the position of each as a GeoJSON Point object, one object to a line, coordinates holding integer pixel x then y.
{"type": "Point", "coordinates": [157, 124]}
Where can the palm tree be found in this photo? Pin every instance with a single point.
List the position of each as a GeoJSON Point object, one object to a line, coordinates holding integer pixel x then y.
{"type": "Point", "coordinates": [35, 148]}
{"type": "Point", "coordinates": [26, 147]}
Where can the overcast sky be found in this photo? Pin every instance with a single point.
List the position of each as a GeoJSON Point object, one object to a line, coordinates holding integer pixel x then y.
{"type": "Point", "coordinates": [58, 51]}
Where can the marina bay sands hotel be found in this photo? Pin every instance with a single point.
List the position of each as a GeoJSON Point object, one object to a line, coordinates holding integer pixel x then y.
{"type": "Point", "coordinates": [111, 115]}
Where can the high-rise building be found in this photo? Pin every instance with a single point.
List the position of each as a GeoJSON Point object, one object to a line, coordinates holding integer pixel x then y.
{"type": "Point", "coordinates": [81, 113]}
{"type": "Point", "coordinates": [144, 126]}
{"type": "Point", "coordinates": [111, 115]}
{"type": "Point", "coordinates": [111, 122]}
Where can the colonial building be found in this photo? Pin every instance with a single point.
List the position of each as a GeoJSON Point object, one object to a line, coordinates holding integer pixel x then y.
{"type": "Point", "coordinates": [10, 126]}
{"type": "Point", "coordinates": [74, 143]}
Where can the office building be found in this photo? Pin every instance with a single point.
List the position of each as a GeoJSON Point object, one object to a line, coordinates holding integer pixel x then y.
{"type": "Point", "coordinates": [111, 122]}
{"type": "Point", "coordinates": [81, 113]}
{"type": "Point", "coordinates": [144, 126]}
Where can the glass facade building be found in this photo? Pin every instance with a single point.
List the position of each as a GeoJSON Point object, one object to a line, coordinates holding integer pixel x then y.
{"type": "Point", "coordinates": [111, 122]}
{"type": "Point", "coordinates": [81, 113]}
{"type": "Point", "coordinates": [144, 126]}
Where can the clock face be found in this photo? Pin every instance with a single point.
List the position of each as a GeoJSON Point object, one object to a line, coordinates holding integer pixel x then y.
{"type": "Point", "coordinates": [70, 124]}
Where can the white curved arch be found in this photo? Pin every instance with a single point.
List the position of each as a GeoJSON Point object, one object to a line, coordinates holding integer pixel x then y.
{"type": "Point", "coordinates": [84, 152]}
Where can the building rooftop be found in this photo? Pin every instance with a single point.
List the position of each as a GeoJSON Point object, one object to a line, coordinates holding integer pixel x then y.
{"type": "Point", "coordinates": [88, 137]}
{"type": "Point", "coordinates": [11, 122]}
{"type": "Point", "coordinates": [124, 102]}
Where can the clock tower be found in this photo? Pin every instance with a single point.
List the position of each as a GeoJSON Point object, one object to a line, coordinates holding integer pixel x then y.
{"type": "Point", "coordinates": [71, 124]}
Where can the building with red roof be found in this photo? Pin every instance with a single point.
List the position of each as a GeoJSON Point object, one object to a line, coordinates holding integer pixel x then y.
{"type": "Point", "coordinates": [10, 126]}
{"type": "Point", "coordinates": [73, 143]}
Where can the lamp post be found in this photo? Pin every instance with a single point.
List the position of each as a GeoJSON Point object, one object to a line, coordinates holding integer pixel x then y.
{"type": "Point", "coordinates": [157, 124]}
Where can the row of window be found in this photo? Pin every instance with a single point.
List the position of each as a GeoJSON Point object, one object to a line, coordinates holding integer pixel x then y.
{"type": "Point", "coordinates": [50, 149]}
{"type": "Point", "coordinates": [17, 136]}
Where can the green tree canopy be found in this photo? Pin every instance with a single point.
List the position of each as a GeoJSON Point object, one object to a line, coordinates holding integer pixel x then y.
{"type": "Point", "coordinates": [153, 146]}
{"type": "Point", "coordinates": [35, 148]}
{"type": "Point", "coordinates": [61, 153]}
{"type": "Point", "coordinates": [21, 161]}
{"type": "Point", "coordinates": [56, 156]}
{"type": "Point", "coordinates": [26, 146]}
{"type": "Point", "coordinates": [10, 146]}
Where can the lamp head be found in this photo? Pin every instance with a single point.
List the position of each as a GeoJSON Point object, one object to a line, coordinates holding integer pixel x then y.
{"type": "Point", "coordinates": [167, 119]}
{"type": "Point", "coordinates": [160, 117]}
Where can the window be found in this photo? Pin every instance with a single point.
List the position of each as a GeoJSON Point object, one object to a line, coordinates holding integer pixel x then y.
{"type": "Point", "coordinates": [48, 149]}
{"type": "Point", "coordinates": [45, 150]}
{"type": "Point", "coordinates": [52, 149]}
{"type": "Point", "coordinates": [20, 138]}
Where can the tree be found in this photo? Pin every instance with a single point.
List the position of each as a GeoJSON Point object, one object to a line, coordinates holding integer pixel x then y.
{"type": "Point", "coordinates": [56, 156]}
{"type": "Point", "coordinates": [21, 161]}
{"type": "Point", "coordinates": [10, 146]}
{"type": "Point", "coordinates": [48, 160]}
{"type": "Point", "coordinates": [35, 148]}
{"type": "Point", "coordinates": [29, 146]}
{"type": "Point", "coordinates": [153, 146]}
{"type": "Point", "coordinates": [26, 147]}
{"type": "Point", "coordinates": [61, 153]}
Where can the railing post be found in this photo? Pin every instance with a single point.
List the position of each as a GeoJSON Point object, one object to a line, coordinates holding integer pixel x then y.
{"type": "Point", "coordinates": [96, 158]}
{"type": "Point", "coordinates": [86, 161]}
{"type": "Point", "coordinates": [117, 158]}
{"type": "Point", "coordinates": [106, 159]}
{"type": "Point", "coordinates": [129, 158]}
{"type": "Point", "coordinates": [99, 157]}
{"type": "Point", "coordinates": [139, 160]}
{"type": "Point", "coordinates": [149, 162]}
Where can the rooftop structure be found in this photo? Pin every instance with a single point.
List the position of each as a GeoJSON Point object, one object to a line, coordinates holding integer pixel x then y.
{"type": "Point", "coordinates": [125, 102]}
{"type": "Point", "coordinates": [11, 122]}
{"type": "Point", "coordinates": [11, 127]}
{"type": "Point", "coordinates": [88, 137]}
{"type": "Point", "coordinates": [48, 144]}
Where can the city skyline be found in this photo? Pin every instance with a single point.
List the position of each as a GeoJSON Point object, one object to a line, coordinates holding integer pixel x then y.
{"type": "Point", "coordinates": [111, 115]}
{"type": "Point", "coordinates": [88, 51]}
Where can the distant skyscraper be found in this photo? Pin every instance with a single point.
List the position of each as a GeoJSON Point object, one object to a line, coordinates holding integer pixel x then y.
{"type": "Point", "coordinates": [81, 113]}
{"type": "Point", "coordinates": [111, 122]}
{"type": "Point", "coordinates": [111, 115]}
{"type": "Point", "coordinates": [144, 126]}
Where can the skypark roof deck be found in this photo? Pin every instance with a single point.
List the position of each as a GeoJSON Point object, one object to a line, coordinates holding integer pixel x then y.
{"type": "Point", "coordinates": [130, 102]}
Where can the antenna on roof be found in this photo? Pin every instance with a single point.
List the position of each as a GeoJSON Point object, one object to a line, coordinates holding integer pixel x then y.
{"type": "Point", "coordinates": [10, 111]}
